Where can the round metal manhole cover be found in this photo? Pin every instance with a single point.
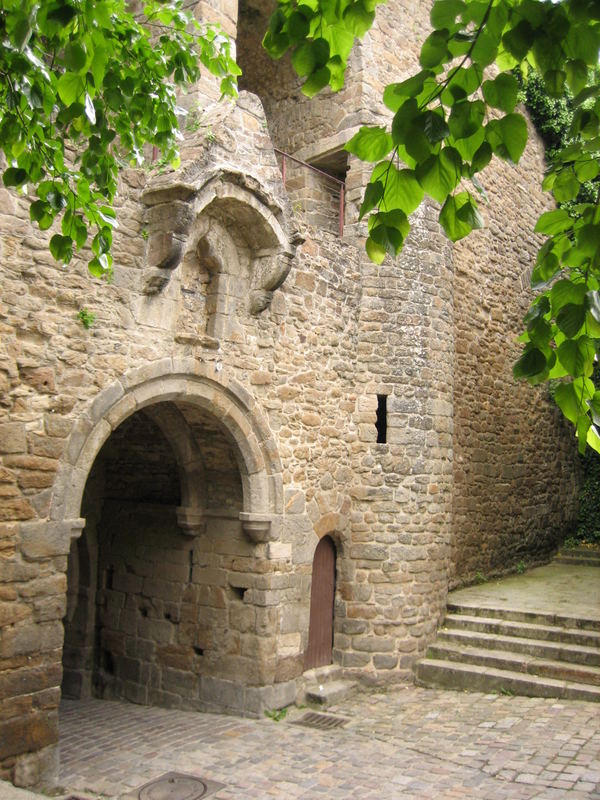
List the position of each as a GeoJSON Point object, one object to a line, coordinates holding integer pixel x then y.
{"type": "Point", "coordinates": [174, 787]}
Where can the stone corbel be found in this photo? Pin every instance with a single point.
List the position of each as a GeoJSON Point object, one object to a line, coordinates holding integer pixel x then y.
{"type": "Point", "coordinates": [259, 300]}
{"type": "Point", "coordinates": [257, 527]}
{"type": "Point", "coordinates": [168, 218]}
{"type": "Point", "coordinates": [270, 270]}
{"type": "Point", "coordinates": [192, 521]}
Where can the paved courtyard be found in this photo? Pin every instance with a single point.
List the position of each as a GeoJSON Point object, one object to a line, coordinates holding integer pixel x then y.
{"type": "Point", "coordinates": [409, 743]}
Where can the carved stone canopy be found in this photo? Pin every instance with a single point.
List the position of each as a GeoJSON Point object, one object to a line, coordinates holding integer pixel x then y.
{"type": "Point", "coordinates": [214, 220]}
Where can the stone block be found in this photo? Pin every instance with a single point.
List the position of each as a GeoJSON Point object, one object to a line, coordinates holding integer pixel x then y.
{"type": "Point", "coordinates": [13, 437]}
{"type": "Point", "coordinates": [279, 551]}
{"type": "Point", "coordinates": [385, 661]}
{"type": "Point", "coordinates": [31, 732]}
{"type": "Point", "coordinates": [373, 644]}
{"type": "Point", "coordinates": [222, 694]}
{"type": "Point", "coordinates": [260, 699]}
{"type": "Point", "coordinates": [37, 769]}
{"type": "Point", "coordinates": [15, 508]}
{"type": "Point", "coordinates": [40, 540]}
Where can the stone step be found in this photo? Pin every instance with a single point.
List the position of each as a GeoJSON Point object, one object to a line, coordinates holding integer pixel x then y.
{"type": "Point", "coordinates": [526, 630]}
{"type": "Point", "coordinates": [579, 559]}
{"type": "Point", "coordinates": [325, 695]}
{"type": "Point", "coordinates": [517, 615]}
{"type": "Point", "coordinates": [439, 673]}
{"type": "Point", "coordinates": [326, 674]}
{"type": "Point", "coordinates": [515, 662]}
{"type": "Point", "coordinates": [537, 648]}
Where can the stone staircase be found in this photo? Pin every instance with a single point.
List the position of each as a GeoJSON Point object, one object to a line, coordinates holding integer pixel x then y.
{"type": "Point", "coordinates": [579, 555]}
{"type": "Point", "coordinates": [324, 687]}
{"type": "Point", "coordinates": [534, 653]}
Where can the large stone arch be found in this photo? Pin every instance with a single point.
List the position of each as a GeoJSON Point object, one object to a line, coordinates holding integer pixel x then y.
{"type": "Point", "coordinates": [196, 383]}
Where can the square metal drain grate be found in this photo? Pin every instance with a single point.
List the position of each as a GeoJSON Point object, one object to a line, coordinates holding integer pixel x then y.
{"type": "Point", "coordinates": [316, 719]}
{"type": "Point", "coordinates": [174, 786]}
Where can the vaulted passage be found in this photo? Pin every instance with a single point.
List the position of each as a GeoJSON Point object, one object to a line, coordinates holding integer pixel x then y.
{"type": "Point", "coordinates": [155, 613]}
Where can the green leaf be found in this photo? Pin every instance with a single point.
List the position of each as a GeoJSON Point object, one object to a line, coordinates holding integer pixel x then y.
{"type": "Point", "coordinates": [74, 57]}
{"type": "Point", "coordinates": [317, 81]}
{"type": "Point", "coordinates": [14, 176]}
{"type": "Point", "coordinates": [370, 144]}
{"type": "Point", "coordinates": [566, 186]}
{"type": "Point", "coordinates": [462, 83]}
{"type": "Point", "coordinates": [434, 126]}
{"type": "Point", "coordinates": [531, 364]}
{"type": "Point", "coordinates": [309, 56]}
{"type": "Point", "coordinates": [588, 240]}
{"type": "Point", "coordinates": [389, 230]}
{"type": "Point", "coordinates": [553, 222]}
{"type": "Point", "coordinates": [434, 49]}
{"type": "Point", "coordinates": [61, 248]}
{"type": "Point", "coordinates": [395, 94]}
{"type": "Point", "coordinates": [570, 319]}
{"type": "Point", "coordinates": [358, 18]}
{"type": "Point", "coordinates": [401, 188]}
{"type": "Point", "coordinates": [373, 194]}
{"type": "Point", "coordinates": [482, 158]}
{"type": "Point", "coordinates": [70, 87]}
{"type": "Point", "coordinates": [468, 147]}
{"type": "Point", "coordinates": [554, 81]}
{"type": "Point", "coordinates": [439, 174]}
{"type": "Point", "coordinates": [375, 251]}
{"type": "Point", "coordinates": [586, 169]}
{"type": "Point", "coordinates": [577, 356]}
{"type": "Point", "coordinates": [519, 39]}
{"type": "Point", "coordinates": [567, 401]}
{"type": "Point", "coordinates": [583, 427]}
{"type": "Point", "coordinates": [444, 12]}
{"type": "Point", "coordinates": [459, 216]}
{"type": "Point", "coordinates": [507, 136]}
{"type": "Point", "coordinates": [502, 92]}
{"type": "Point", "coordinates": [466, 118]}
{"type": "Point", "coordinates": [485, 49]}
{"type": "Point", "coordinates": [577, 75]}
{"type": "Point", "coordinates": [564, 292]}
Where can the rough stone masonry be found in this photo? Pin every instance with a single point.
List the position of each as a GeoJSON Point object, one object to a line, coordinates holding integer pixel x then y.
{"type": "Point", "coordinates": [251, 386]}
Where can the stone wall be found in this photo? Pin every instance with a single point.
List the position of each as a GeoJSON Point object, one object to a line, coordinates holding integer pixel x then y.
{"type": "Point", "coordinates": [515, 463]}
{"type": "Point", "coordinates": [166, 475]}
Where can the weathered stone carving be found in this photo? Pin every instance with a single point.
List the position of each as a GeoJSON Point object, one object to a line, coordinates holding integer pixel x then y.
{"type": "Point", "coordinates": [232, 227]}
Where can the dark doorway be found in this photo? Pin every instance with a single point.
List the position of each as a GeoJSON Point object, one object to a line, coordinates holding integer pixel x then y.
{"type": "Point", "coordinates": [322, 595]}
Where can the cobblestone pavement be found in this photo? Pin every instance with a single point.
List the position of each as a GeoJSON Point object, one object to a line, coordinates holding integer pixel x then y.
{"type": "Point", "coordinates": [410, 743]}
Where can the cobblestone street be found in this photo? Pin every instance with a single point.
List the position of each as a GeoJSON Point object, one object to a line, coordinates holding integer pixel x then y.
{"type": "Point", "coordinates": [410, 743]}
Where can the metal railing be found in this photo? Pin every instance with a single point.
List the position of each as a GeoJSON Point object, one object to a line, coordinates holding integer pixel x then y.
{"type": "Point", "coordinates": [337, 193]}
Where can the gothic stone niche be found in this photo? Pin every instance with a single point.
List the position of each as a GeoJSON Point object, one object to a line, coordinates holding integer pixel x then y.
{"type": "Point", "coordinates": [225, 232]}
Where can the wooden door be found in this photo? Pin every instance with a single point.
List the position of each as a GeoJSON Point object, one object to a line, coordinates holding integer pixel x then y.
{"type": "Point", "coordinates": [322, 594]}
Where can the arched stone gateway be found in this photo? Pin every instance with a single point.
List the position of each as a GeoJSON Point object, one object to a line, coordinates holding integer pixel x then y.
{"type": "Point", "coordinates": [198, 385]}
{"type": "Point", "coordinates": [174, 478]}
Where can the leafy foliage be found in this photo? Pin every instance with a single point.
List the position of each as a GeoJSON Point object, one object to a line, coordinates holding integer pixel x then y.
{"type": "Point", "coordinates": [450, 118]}
{"type": "Point", "coordinates": [588, 519]}
{"type": "Point", "coordinates": [85, 85]}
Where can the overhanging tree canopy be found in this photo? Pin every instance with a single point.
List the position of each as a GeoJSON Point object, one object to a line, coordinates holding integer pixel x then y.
{"type": "Point", "coordinates": [84, 86]}
{"type": "Point", "coordinates": [447, 122]}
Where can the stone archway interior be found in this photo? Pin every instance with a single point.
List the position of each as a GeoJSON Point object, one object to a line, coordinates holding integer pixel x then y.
{"type": "Point", "coordinates": [155, 612]}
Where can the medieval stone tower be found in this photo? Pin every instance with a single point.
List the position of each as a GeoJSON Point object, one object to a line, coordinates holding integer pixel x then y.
{"type": "Point", "coordinates": [267, 454]}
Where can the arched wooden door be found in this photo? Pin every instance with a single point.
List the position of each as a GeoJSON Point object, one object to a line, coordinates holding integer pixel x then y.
{"type": "Point", "coordinates": [322, 594]}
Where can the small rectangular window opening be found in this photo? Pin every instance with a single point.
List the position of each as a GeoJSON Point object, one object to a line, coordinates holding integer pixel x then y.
{"type": "Point", "coordinates": [381, 421]}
